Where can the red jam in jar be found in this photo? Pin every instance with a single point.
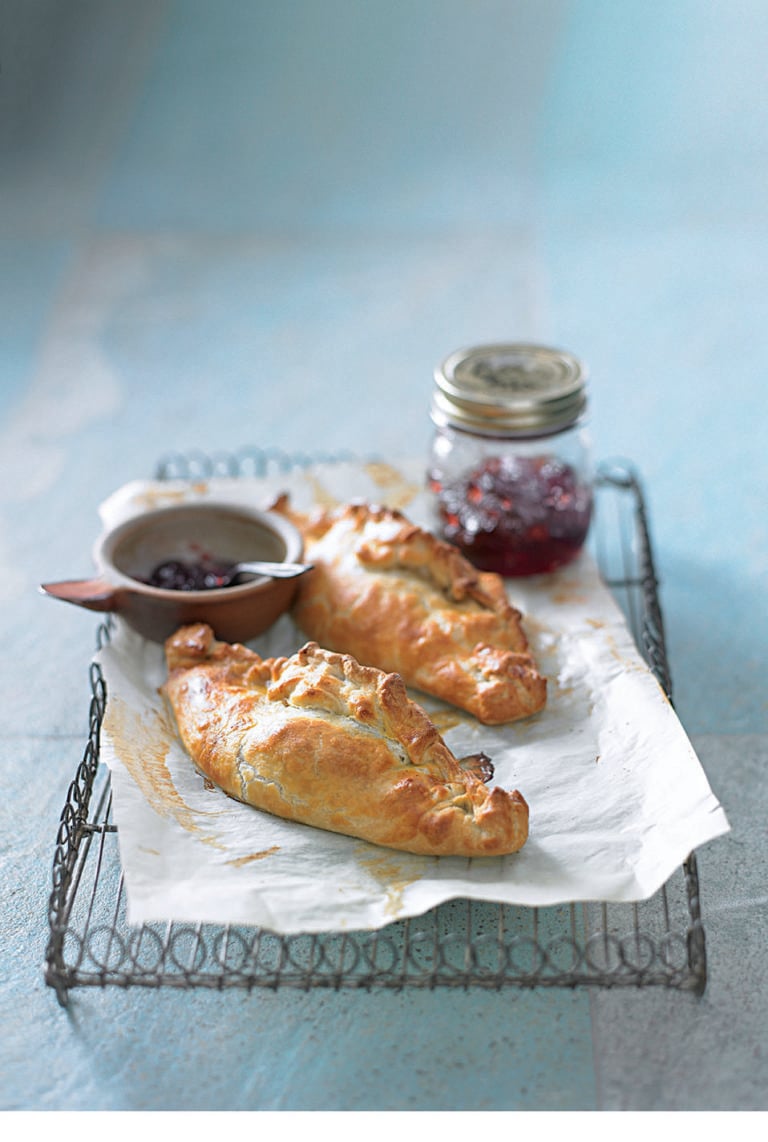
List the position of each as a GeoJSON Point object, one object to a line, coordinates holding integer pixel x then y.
{"type": "Point", "coordinates": [516, 515]}
{"type": "Point", "coordinates": [510, 465]}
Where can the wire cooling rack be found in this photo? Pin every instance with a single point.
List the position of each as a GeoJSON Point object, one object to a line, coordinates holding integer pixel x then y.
{"type": "Point", "coordinates": [459, 944]}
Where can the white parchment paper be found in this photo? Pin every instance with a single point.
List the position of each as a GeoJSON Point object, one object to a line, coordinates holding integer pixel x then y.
{"type": "Point", "coordinates": [616, 793]}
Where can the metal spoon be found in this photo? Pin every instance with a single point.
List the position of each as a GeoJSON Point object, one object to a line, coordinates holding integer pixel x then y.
{"type": "Point", "coordinates": [274, 570]}
{"type": "Point", "coordinates": [100, 594]}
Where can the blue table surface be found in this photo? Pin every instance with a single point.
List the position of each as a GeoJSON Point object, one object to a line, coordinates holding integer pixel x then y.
{"type": "Point", "coordinates": [264, 224]}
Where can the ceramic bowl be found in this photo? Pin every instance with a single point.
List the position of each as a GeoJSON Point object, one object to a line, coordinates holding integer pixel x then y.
{"type": "Point", "coordinates": [128, 554]}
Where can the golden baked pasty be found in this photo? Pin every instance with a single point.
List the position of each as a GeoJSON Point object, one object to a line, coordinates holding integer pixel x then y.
{"type": "Point", "coordinates": [394, 596]}
{"type": "Point", "coordinates": [320, 739]}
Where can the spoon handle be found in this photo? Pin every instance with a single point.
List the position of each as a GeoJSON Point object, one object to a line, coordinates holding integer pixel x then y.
{"type": "Point", "coordinates": [275, 570]}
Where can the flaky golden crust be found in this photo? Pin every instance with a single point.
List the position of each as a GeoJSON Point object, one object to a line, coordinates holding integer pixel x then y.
{"type": "Point", "coordinates": [391, 594]}
{"type": "Point", "coordinates": [320, 739]}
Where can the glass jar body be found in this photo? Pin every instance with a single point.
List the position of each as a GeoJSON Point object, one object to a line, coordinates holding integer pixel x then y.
{"type": "Point", "coordinates": [514, 505]}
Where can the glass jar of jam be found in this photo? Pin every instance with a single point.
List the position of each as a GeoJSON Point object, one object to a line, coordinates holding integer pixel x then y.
{"type": "Point", "coordinates": [510, 463]}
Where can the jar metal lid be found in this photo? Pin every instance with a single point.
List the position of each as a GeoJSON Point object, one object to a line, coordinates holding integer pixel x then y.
{"type": "Point", "coordinates": [509, 390]}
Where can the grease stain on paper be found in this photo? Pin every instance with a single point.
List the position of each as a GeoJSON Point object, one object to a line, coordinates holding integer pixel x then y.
{"type": "Point", "coordinates": [445, 720]}
{"type": "Point", "coordinates": [152, 498]}
{"type": "Point", "coordinates": [387, 869]}
{"type": "Point", "coordinates": [321, 497]}
{"type": "Point", "coordinates": [630, 665]}
{"type": "Point", "coordinates": [238, 862]}
{"type": "Point", "coordinates": [142, 746]}
{"type": "Point", "coordinates": [398, 492]}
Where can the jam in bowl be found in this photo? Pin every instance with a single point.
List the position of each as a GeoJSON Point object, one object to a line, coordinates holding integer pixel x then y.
{"type": "Point", "coordinates": [190, 541]}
